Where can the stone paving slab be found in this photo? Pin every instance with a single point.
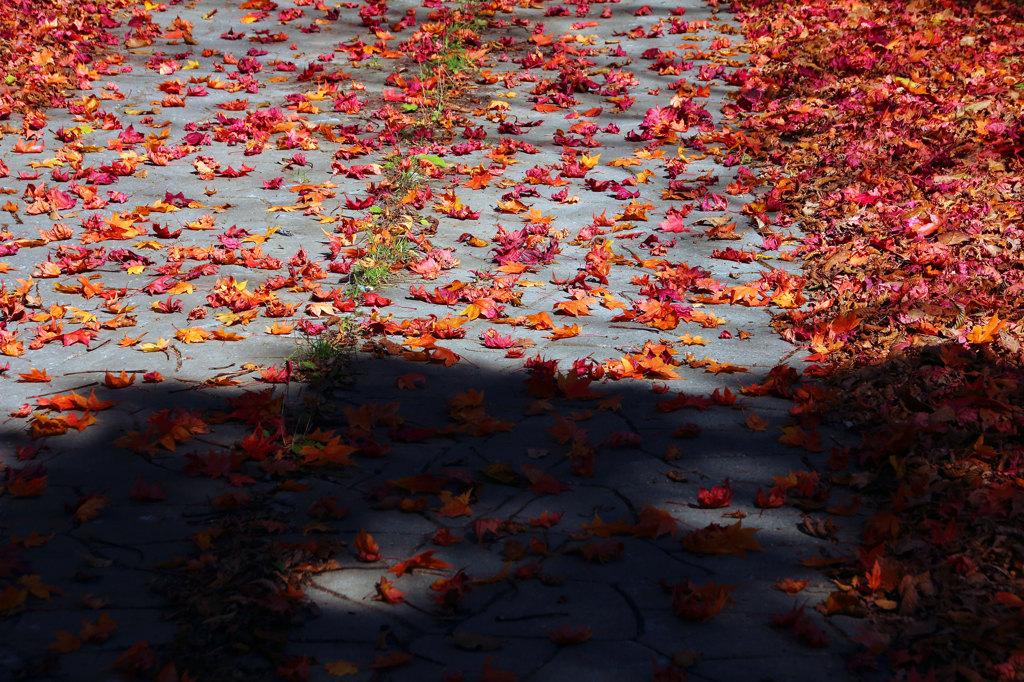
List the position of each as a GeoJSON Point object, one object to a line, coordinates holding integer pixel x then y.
{"type": "Point", "coordinates": [125, 554]}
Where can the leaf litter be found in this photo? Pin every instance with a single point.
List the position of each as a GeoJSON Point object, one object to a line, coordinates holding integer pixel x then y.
{"type": "Point", "coordinates": [905, 303]}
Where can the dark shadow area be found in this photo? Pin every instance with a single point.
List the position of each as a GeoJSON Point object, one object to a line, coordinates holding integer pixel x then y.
{"type": "Point", "coordinates": [262, 566]}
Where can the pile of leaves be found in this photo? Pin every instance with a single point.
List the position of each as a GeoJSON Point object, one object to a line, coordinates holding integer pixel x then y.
{"type": "Point", "coordinates": [52, 48]}
{"type": "Point", "coordinates": [899, 129]}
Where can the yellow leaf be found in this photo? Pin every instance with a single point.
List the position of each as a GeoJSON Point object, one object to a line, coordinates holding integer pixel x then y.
{"type": "Point", "coordinates": [181, 288]}
{"type": "Point", "coordinates": [692, 340]}
{"type": "Point", "coordinates": [154, 347]}
{"type": "Point", "coordinates": [192, 335]}
{"type": "Point", "coordinates": [986, 334]}
{"type": "Point", "coordinates": [260, 238]}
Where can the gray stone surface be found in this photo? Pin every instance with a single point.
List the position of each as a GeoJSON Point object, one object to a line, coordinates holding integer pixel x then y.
{"type": "Point", "coordinates": [119, 555]}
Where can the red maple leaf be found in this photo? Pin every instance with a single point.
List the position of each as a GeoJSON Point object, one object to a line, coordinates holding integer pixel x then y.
{"type": "Point", "coordinates": [542, 483]}
{"type": "Point", "coordinates": [716, 498]}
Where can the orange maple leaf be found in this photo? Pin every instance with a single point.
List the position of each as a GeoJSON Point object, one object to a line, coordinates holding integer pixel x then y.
{"type": "Point", "coordinates": [35, 375]}
{"type": "Point", "coordinates": [540, 321]}
{"type": "Point", "coordinates": [43, 426]}
{"type": "Point", "coordinates": [119, 381]}
{"type": "Point", "coordinates": [453, 506]}
{"type": "Point", "coordinates": [756, 422]}
{"type": "Point", "coordinates": [790, 586]}
{"type": "Point", "coordinates": [573, 308]}
{"type": "Point", "coordinates": [425, 560]}
{"type": "Point", "coordinates": [700, 603]}
{"type": "Point", "coordinates": [366, 547]}
{"type": "Point", "coordinates": [387, 593]}
{"type": "Point", "coordinates": [281, 328]}
{"type": "Point", "coordinates": [479, 181]}
{"type": "Point", "coordinates": [567, 635]}
{"type": "Point", "coordinates": [90, 509]}
{"type": "Point", "coordinates": [988, 333]}
{"type": "Point", "coordinates": [26, 487]}
{"type": "Point", "coordinates": [333, 452]}
{"type": "Point", "coordinates": [565, 332]}
{"type": "Point", "coordinates": [192, 335]}
{"type": "Point", "coordinates": [716, 539]}
{"type": "Point", "coordinates": [409, 381]}
{"type": "Point", "coordinates": [66, 642]}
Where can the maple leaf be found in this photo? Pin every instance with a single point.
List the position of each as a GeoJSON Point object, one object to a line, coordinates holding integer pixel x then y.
{"type": "Point", "coordinates": [513, 206]}
{"type": "Point", "coordinates": [91, 403]}
{"type": "Point", "coordinates": [444, 538]}
{"type": "Point", "coordinates": [394, 659]}
{"type": "Point", "coordinates": [573, 308]}
{"type": "Point", "coordinates": [795, 436]}
{"type": "Point", "coordinates": [774, 498]}
{"type": "Point", "coordinates": [27, 487]}
{"type": "Point", "coordinates": [715, 498]}
{"type": "Point", "coordinates": [36, 587]}
{"type": "Point", "coordinates": [12, 599]}
{"type": "Point", "coordinates": [293, 669]}
{"type": "Point", "coordinates": [35, 375]}
{"type": "Point", "coordinates": [341, 668]}
{"type": "Point", "coordinates": [100, 631]}
{"type": "Point", "coordinates": [478, 181]}
{"type": "Point", "coordinates": [605, 530]}
{"type": "Point", "coordinates": [88, 508]}
{"type": "Point", "coordinates": [333, 452]}
{"type": "Point", "coordinates": [366, 547]}
{"type": "Point", "coordinates": [422, 483]}
{"type": "Point", "coordinates": [410, 381]}
{"type": "Point", "coordinates": [542, 483]}
{"type": "Point", "coordinates": [654, 523]}
{"type": "Point", "coordinates": [483, 526]}
{"type": "Point", "coordinates": [424, 561]}
{"type": "Point", "coordinates": [66, 642]}
{"type": "Point", "coordinates": [566, 635]}
{"type": "Point", "coordinates": [82, 336]}
{"type": "Point", "coordinates": [160, 345]}
{"type": "Point", "coordinates": [699, 603]}
{"type": "Point", "coordinates": [33, 539]}
{"type": "Point", "coordinates": [715, 367]}
{"type": "Point", "coordinates": [80, 423]}
{"type": "Point", "coordinates": [986, 334]}
{"type": "Point", "coordinates": [146, 492]}
{"type": "Point", "coordinates": [565, 430]}
{"type": "Point", "coordinates": [119, 381]}
{"type": "Point", "coordinates": [281, 328]}
{"type": "Point", "coordinates": [575, 387]}
{"type": "Point", "coordinates": [546, 520]}
{"type": "Point", "coordinates": [790, 586]}
{"type": "Point", "coordinates": [192, 335]}
{"type": "Point", "coordinates": [603, 550]}
{"type": "Point", "coordinates": [756, 422]}
{"type": "Point", "coordinates": [453, 506]}
{"type": "Point", "coordinates": [43, 426]}
{"type": "Point", "coordinates": [718, 540]}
